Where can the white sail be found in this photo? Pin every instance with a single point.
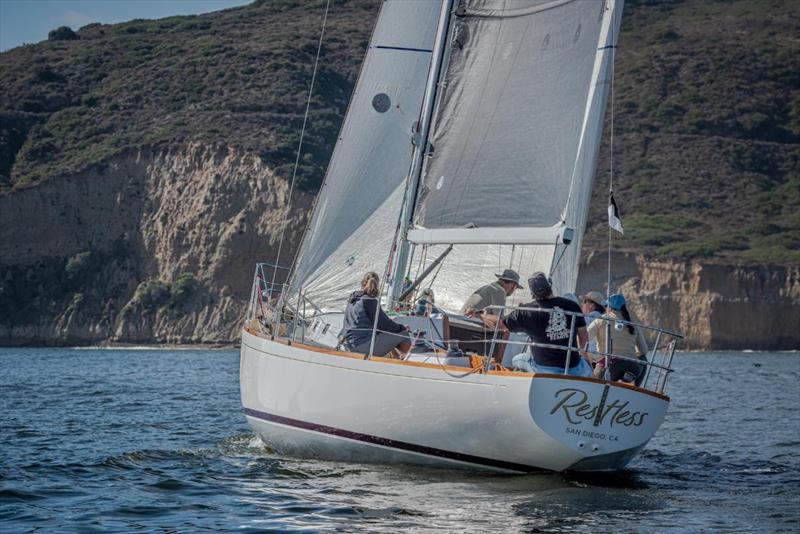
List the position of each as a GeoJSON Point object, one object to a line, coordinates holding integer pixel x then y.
{"type": "Point", "coordinates": [515, 137]}
{"type": "Point", "coordinates": [509, 124]}
{"type": "Point", "coordinates": [356, 214]}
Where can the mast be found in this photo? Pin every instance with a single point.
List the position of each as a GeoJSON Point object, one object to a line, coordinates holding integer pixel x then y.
{"type": "Point", "coordinates": [398, 268]}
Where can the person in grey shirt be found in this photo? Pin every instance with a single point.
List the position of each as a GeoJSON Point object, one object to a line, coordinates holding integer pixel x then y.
{"type": "Point", "coordinates": [493, 294]}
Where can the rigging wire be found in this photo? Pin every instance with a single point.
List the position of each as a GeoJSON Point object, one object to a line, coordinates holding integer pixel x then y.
{"type": "Point", "coordinates": [611, 145]}
{"type": "Point", "coordinates": [609, 340]}
{"type": "Point", "coordinates": [423, 257]}
{"type": "Point", "coordinates": [300, 144]}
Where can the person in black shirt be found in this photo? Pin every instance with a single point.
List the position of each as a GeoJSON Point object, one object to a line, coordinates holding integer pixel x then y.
{"type": "Point", "coordinates": [550, 326]}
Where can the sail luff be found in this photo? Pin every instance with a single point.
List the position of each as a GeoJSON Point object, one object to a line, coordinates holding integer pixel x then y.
{"type": "Point", "coordinates": [304, 239]}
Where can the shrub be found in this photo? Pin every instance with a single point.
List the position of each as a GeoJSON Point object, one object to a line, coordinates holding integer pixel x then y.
{"type": "Point", "coordinates": [75, 303]}
{"type": "Point", "coordinates": [182, 289]}
{"type": "Point", "coordinates": [707, 247]}
{"type": "Point", "coordinates": [47, 75]}
{"type": "Point", "coordinates": [773, 254]}
{"type": "Point", "coordinates": [78, 263]}
{"type": "Point", "coordinates": [81, 269]}
{"type": "Point", "coordinates": [656, 230]}
{"type": "Point", "coordinates": [153, 294]}
{"type": "Point", "coordinates": [62, 33]}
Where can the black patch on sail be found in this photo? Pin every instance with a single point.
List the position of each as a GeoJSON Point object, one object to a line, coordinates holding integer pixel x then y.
{"type": "Point", "coordinates": [381, 102]}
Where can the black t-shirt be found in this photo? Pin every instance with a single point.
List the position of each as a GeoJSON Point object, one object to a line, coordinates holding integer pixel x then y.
{"type": "Point", "coordinates": [551, 327]}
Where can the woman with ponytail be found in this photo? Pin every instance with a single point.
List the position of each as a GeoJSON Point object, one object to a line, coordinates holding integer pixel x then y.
{"type": "Point", "coordinates": [359, 321]}
{"type": "Point", "coordinates": [626, 340]}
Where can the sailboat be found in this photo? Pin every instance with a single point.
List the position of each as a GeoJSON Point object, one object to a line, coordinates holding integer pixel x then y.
{"type": "Point", "coordinates": [470, 145]}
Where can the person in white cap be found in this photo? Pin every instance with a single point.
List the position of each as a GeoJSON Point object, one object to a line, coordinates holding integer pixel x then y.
{"type": "Point", "coordinates": [493, 294]}
{"type": "Point", "coordinates": [592, 306]}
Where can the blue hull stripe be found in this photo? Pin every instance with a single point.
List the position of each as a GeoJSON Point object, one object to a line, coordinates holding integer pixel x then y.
{"type": "Point", "coordinates": [385, 442]}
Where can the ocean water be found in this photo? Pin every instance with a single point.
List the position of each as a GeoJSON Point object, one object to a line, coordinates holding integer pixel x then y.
{"type": "Point", "coordinates": [155, 440]}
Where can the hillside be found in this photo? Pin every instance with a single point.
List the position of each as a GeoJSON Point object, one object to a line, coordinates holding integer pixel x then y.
{"type": "Point", "coordinates": [144, 165]}
{"type": "Point", "coordinates": [707, 131]}
{"type": "Point", "coordinates": [237, 77]}
{"type": "Point", "coordinates": [707, 109]}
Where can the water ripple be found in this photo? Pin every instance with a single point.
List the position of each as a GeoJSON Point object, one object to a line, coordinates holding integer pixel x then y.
{"type": "Point", "coordinates": [156, 441]}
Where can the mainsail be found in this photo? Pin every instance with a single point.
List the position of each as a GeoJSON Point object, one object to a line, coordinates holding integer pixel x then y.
{"type": "Point", "coordinates": [515, 138]}
{"type": "Point", "coordinates": [354, 221]}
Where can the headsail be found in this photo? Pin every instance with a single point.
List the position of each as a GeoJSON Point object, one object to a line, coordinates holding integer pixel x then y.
{"type": "Point", "coordinates": [357, 209]}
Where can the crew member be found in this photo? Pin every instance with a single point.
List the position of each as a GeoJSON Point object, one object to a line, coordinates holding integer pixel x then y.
{"type": "Point", "coordinates": [545, 322]}
{"type": "Point", "coordinates": [493, 294]}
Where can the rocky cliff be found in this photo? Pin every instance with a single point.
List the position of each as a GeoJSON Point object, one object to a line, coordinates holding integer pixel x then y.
{"type": "Point", "coordinates": [715, 306]}
{"type": "Point", "coordinates": [159, 245]}
{"type": "Point", "coordinates": [156, 245]}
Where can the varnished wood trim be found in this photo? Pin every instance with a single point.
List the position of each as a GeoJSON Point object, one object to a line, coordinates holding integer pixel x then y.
{"type": "Point", "coordinates": [380, 359]}
{"type": "Point", "coordinates": [599, 381]}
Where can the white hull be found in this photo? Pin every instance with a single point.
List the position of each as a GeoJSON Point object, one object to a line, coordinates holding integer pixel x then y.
{"type": "Point", "coordinates": [313, 402]}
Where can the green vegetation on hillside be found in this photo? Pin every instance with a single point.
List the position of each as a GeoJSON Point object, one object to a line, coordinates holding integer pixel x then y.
{"type": "Point", "coordinates": [706, 107]}
{"type": "Point", "coordinates": [236, 77]}
{"type": "Point", "coordinates": [92, 281]}
{"type": "Point", "coordinates": [707, 131]}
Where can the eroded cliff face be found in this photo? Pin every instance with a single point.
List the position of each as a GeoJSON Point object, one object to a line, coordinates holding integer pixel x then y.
{"type": "Point", "coordinates": [158, 245]}
{"type": "Point", "coordinates": [714, 306]}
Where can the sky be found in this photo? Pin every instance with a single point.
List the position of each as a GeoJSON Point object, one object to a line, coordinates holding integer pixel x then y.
{"type": "Point", "coordinates": [29, 21]}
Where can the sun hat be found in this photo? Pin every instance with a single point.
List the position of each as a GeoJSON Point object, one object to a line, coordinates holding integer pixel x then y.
{"type": "Point", "coordinates": [509, 275]}
{"type": "Point", "coordinates": [594, 296]}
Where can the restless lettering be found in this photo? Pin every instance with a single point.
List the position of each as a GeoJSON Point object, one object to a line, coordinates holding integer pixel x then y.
{"type": "Point", "coordinates": [577, 408]}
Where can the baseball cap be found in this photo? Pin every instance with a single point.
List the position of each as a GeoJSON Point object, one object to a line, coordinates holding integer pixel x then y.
{"type": "Point", "coordinates": [540, 285]}
{"type": "Point", "coordinates": [616, 301]}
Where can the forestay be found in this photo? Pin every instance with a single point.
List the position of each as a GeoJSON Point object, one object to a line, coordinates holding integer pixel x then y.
{"type": "Point", "coordinates": [354, 220]}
